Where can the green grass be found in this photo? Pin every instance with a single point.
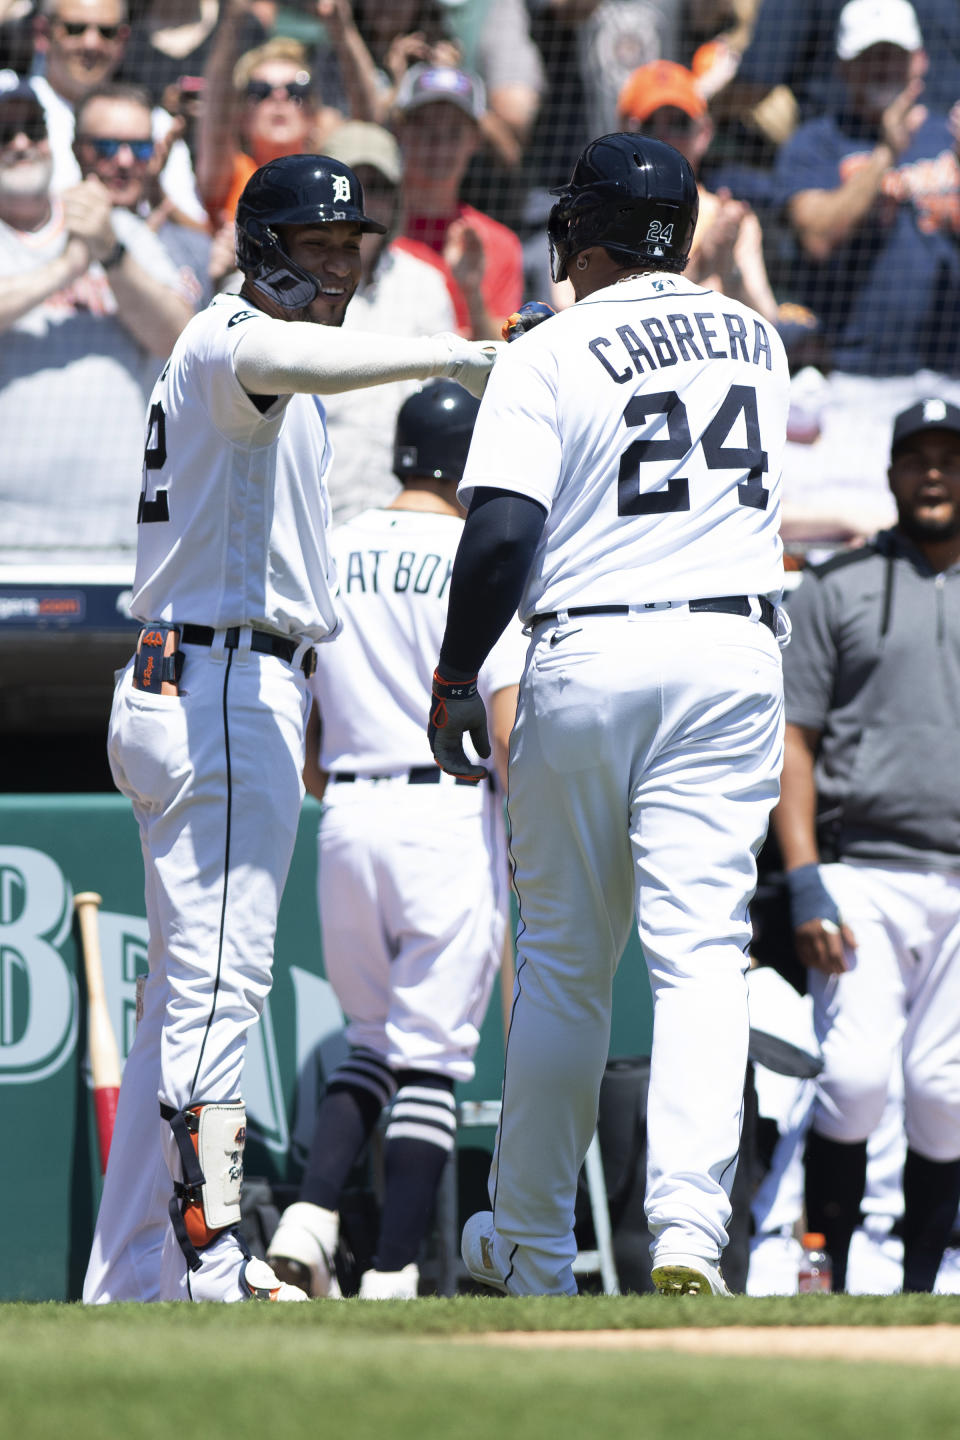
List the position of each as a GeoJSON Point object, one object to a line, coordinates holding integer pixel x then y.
{"type": "Point", "coordinates": [387, 1372]}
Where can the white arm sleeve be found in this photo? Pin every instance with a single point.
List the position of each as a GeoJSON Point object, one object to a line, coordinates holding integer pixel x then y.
{"type": "Point", "coordinates": [280, 357]}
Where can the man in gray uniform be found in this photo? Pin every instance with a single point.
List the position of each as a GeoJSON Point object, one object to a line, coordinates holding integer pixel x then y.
{"type": "Point", "coordinates": [869, 826]}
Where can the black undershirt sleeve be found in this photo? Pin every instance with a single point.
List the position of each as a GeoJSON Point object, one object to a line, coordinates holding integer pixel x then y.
{"type": "Point", "coordinates": [496, 549]}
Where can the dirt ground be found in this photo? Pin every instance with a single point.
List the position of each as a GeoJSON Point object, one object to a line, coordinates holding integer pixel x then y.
{"type": "Point", "coordinates": [912, 1345]}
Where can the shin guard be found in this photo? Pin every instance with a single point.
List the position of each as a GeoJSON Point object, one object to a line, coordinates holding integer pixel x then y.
{"type": "Point", "coordinates": [210, 1140]}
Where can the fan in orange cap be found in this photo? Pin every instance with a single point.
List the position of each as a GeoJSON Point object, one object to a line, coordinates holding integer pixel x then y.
{"type": "Point", "coordinates": [663, 100]}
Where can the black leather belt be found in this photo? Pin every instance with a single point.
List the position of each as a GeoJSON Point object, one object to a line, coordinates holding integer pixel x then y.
{"type": "Point", "coordinates": [260, 640]}
{"type": "Point", "coordinates": [722, 604]}
{"type": "Point", "coordinates": [417, 775]}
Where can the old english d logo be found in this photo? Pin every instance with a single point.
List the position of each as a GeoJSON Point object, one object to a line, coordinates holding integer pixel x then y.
{"type": "Point", "coordinates": [38, 997]}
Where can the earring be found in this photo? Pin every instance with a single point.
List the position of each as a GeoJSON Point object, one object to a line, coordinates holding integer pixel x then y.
{"type": "Point", "coordinates": [582, 262]}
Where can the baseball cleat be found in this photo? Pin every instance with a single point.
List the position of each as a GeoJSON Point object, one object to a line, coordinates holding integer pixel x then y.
{"type": "Point", "coordinates": [302, 1249]}
{"type": "Point", "coordinates": [390, 1284]}
{"type": "Point", "coordinates": [688, 1275]}
{"type": "Point", "coordinates": [263, 1284]}
{"type": "Point", "coordinates": [476, 1249]}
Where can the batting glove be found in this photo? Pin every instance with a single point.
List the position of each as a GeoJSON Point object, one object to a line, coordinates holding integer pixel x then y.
{"type": "Point", "coordinates": [456, 710]}
{"type": "Point", "coordinates": [533, 313]}
{"type": "Point", "coordinates": [469, 362]}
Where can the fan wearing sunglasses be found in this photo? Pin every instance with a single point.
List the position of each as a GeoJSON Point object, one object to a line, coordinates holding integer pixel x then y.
{"type": "Point", "coordinates": [662, 100]}
{"type": "Point", "coordinates": [268, 100]}
{"type": "Point", "coordinates": [82, 42]}
{"type": "Point", "coordinates": [80, 46]}
{"type": "Point", "coordinates": [114, 141]}
{"type": "Point", "coordinates": [90, 306]}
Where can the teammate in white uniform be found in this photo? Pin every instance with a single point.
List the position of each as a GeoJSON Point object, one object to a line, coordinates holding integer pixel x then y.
{"type": "Point", "coordinates": [412, 886]}
{"type": "Point", "coordinates": [624, 487]}
{"type": "Point", "coordinates": [234, 586]}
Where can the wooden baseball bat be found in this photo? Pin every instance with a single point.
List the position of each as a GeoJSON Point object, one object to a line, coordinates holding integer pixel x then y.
{"type": "Point", "coordinates": [104, 1056]}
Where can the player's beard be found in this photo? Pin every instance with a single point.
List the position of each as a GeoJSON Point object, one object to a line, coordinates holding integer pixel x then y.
{"type": "Point", "coordinates": [928, 532]}
{"type": "Point", "coordinates": [26, 179]}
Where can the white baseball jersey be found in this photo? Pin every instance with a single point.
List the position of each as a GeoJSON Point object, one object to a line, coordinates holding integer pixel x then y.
{"type": "Point", "coordinates": [373, 686]}
{"type": "Point", "coordinates": [234, 509]}
{"type": "Point", "coordinates": [412, 881]}
{"type": "Point", "coordinates": [650, 497]}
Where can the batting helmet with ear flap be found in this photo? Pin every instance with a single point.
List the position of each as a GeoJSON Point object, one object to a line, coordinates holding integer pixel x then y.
{"type": "Point", "coordinates": [433, 432]}
{"type": "Point", "coordinates": [293, 190]}
{"type": "Point", "coordinates": [635, 196]}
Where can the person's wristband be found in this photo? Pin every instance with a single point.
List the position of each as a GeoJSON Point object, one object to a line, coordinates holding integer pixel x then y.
{"type": "Point", "coordinates": [809, 897]}
{"type": "Point", "coordinates": [111, 261]}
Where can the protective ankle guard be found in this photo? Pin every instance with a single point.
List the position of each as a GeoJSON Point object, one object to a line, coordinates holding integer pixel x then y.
{"type": "Point", "coordinates": [210, 1139]}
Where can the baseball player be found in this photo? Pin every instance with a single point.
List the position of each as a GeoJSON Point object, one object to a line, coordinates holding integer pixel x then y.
{"type": "Point", "coordinates": [234, 588]}
{"type": "Point", "coordinates": [412, 886]}
{"type": "Point", "coordinates": [623, 484]}
{"type": "Point", "coordinates": [869, 828]}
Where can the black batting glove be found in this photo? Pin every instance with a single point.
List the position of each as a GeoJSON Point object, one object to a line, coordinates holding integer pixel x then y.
{"type": "Point", "coordinates": [525, 319]}
{"type": "Point", "coordinates": [456, 710]}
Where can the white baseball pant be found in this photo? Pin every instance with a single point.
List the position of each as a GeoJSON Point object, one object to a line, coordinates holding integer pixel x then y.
{"type": "Point", "coordinates": [902, 990]}
{"type": "Point", "coordinates": [413, 901]}
{"type": "Point", "coordinates": [644, 765]}
{"type": "Point", "coordinates": [214, 775]}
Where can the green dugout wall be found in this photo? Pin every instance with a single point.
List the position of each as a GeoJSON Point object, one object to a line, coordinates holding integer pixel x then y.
{"type": "Point", "coordinates": [52, 847]}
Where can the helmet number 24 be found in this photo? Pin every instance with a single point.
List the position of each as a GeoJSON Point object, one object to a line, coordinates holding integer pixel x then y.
{"type": "Point", "coordinates": [740, 400]}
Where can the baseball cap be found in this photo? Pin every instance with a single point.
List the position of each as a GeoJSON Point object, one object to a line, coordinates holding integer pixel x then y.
{"type": "Point", "coordinates": [863, 23]}
{"type": "Point", "coordinates": [429, 84]}
{"type": "Point", "coordinates": [660, 83]}
{"type": "Point", "coordinates": [931, 414]}
{"type": "Point", "coordinates": [359, 142]}
{"type": "Point", "coordinates": [15, 87]}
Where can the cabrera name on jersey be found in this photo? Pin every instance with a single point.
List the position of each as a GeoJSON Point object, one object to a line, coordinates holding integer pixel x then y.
{"type": "Point", "coordinates": [234, 509]}
{"type": "Point", "coordinates": [649, 421]}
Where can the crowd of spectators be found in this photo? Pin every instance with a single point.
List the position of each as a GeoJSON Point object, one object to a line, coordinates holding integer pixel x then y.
{"type": "Point", "coordinates": [824, 143]}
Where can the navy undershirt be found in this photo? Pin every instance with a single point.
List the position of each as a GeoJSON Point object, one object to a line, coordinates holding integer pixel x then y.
{"type": "Point", "coordinates": [500, 536]}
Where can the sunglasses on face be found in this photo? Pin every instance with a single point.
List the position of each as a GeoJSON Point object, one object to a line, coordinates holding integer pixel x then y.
{"type": "Point", "coordinates": [108, 149]}
{"type": "Point", "coordinates": [670, 122]}
{"type": "Point", "coordinates": [76, 28]}
{"type": "Point", "coordinates": [35, 129]}
{"type": "Point", "coordinates": [296, 90]}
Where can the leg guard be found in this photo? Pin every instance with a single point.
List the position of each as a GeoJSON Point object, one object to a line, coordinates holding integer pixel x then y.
{"type": "Point", "coordinates": [210, 1140]}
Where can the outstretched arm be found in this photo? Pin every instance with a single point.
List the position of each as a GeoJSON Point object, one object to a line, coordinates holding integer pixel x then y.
{"type": "Point", "coordinates": [281, 357]}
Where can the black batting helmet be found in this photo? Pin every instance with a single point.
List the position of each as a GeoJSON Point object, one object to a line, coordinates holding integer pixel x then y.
{"type": "Point", "coordinates": [634, 196]}
{"type": "Point", "coordinates": [293, 190]}
{"type": "Point", "coordinates": [433, 432]}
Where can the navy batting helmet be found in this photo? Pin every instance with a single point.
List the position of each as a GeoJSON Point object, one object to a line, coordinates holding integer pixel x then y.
{"type": "Point", "coordinates": [634, 196]}
{"type": "Point", "coordinates": [433, 432]}
{"type": "Point", "coordinates": [293, 190]}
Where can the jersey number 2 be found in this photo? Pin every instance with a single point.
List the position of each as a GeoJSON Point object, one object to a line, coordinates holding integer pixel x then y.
{"type": "Point", "coordinates": [154, 458]}
{"type": "Point", "coordinates": [740, 399]}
